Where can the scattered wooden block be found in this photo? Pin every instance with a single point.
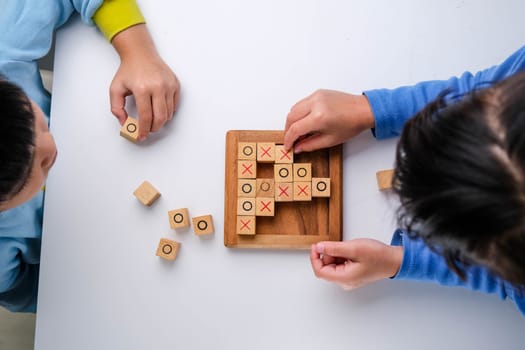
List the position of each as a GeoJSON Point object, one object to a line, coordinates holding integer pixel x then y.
{"type": "Point", "coordinates": [302, 191]}
{"type": "Point", "coordinates": [302, 172]}
{"type": "Point", "coordinates": [245, 225]}
{"type": "Point", "coordinates": [245, 206]}
{"type": "Point", "coordinates": [179, 218]}
{"type": "Point", "coordinates": [246, 188]}
{"type": "Point", "coordinates": [168, 249]}
{"type": "Point", "coordinates": [320, 187]}
{"type": "Point", "coordinates": [265, 152]}
{"type": "Point", "coordinates": [246, 169]}
{"type": "Point", "coordinates": [203, 225]}
{"type": "Point", "coordinates": [265, 188]}
{"type": "Point", "coordinates": [283, 172]}
{"type": "Point", "coordinates": [283, 191]}
{"type": "Point", "coordinates": [146, 193]}
{"type": "Point", "coordinates": [384, 179]}
{"type": "Point", "coordinates": [130, 130]}
{"type": "Point", "coordinates": [264, 206]}
{"type": "Point", "coordinates": [282, 156]}
{"type": "Point", "coordinates": [247, 151]}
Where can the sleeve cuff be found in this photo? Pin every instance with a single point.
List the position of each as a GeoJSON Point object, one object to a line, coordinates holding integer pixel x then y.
{"type": "Point", "coordinates": [114, 16]}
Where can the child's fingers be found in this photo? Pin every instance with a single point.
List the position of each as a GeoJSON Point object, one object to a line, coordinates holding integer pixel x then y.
{"type": "Point", "coordinates": [160, 111]}
{"type": "Point", "coordinates": [145, 112]}
{"type": "Point", "coordinates": [117, 101]}
{"type": "Point", "coordinates": [298, 111]}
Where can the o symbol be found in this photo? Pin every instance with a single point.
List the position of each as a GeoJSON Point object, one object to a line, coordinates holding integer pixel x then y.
{"type": "Point", "coordinates": [131, 128]}
{"type": "Point", "coordinates": [178, 218]}
{"type": "Point", "coordinates": [202, 225]}
{"type": "Point", "coordinates": [167, 249]}
{"type": "Point", "coordinates": [301, 172]}
{"type": "Point", "coordinates": [247, 150]}
{"type": "Point", "coordinates": [321, 186]}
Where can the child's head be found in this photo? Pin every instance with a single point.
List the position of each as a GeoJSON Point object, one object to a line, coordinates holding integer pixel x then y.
{"type": "Point", "coordinates": [27, 149]}
{"type": "Point", "coordinates": [460, 175]}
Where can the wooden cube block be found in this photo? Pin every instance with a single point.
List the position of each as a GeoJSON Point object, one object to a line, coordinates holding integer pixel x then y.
{"type": "Point", "coordinates": [265, 152]}
{"type": "Point", "coordinates": [321, 187]}
{"type": "Point", "coordinates": [179, 218]}
{"type": "Point", "coordinates": [245, 206]}
{"type": "Point", "coordinates": [247, 150]}
{"type": "Point", "coordinates": [283, 172]}
{"type": "Point", "coordinates": [245, 225]}
{"type": "Point", "coordinates": [302, 191]}
{"type": "Point", "coordinates": [265, 188]}
{"type": "Point", "coordinates": [246, 188]}
{"type": "Point", "coordinates": [302, 172]}
{"type": "Point", "coordinates": [264, 206]}
{"type": "Point", "coordinates": [384, 179]}
{"type": "Point", "coordinates": [130, 130]}
{"type": "Point", "coordinates": [203, 225]}
{"type": "Point", "coordinates": [282, 156]}
{"type": "Point", "coordinates": [283, 191]}
{"type": "Point", "coordinates": [246, 169]}
{"type": "Point", "coordinates": [146, 193]}
{"type": "Point", "coordinates": [168, 249]}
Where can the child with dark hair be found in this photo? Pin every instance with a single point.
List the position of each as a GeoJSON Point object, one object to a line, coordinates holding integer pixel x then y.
{"type": "Point", "coordinates": [27, 149]}
{"type": "Point", "coordinates": [459, 174]}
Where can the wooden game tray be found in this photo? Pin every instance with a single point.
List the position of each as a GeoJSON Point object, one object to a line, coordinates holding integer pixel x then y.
{"type": "Point", "coordinates": [296, 225]}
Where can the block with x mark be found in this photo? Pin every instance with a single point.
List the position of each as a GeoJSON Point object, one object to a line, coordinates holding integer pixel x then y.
{"type": "Point", "coordinates": [246, 225]}
{"type": "Point", "coordinates": [282, 156]}
{"type": "Point", "coordinates": [246, 169]}
{"type": "Point", "coordinates": [264, 206]}
{"type": "Point", "coordinates": [284, 191]}
{"type": "Point", "coordinates": [265, 152]}
{"type": "Point", "coordinates": [302, 191]}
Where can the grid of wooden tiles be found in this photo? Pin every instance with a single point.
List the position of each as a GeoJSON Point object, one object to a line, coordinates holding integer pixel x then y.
{"type": "Point", "coordinates": [284, 200]}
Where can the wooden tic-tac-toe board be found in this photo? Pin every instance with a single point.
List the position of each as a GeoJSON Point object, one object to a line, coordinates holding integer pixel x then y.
{"type": "Point", "coordinates": [275, 199]}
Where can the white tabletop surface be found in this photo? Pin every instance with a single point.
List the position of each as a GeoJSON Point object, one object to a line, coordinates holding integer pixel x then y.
{"type": "Point", "coordinates": [242, 65]}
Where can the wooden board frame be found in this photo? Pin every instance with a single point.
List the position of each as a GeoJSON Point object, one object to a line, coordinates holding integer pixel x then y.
{"type": "Point", "coordinates": [296, 225]}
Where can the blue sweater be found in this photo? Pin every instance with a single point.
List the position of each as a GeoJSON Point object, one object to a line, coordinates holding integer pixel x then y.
{"type": "Point", "coordinates": [391, 109]}
{"type": "Point", "coordinates": [26, 32]}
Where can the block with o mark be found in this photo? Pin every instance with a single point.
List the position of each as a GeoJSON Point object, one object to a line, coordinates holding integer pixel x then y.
{"type": "Point", "coordinates": [245, 206]}
{"type": "Point", "coordinates": [302, 171]}
{"type": "Point", "coordinates": [168, 249]}
{"type": "Point", "coordinates": [245, 225]}
{"type": "Point", "coordinates": [246, 169]}
{"type": "Point", "coordinates": [130, 130]}
{"type": "Point", "coordinates": [321, 187]}
{"type": "Point", "coordinates": [283, 172]}
{"type": "Point", "coordinates": [283, 191]}
{"type": "Point", "coordinates": [264, 187]}
{"type": "Point", "coordinates": [302, 191]}
{"type": "Point", "coordinates": [246, 187]}
{"type": "Point", "coordinates": [265, 152]}
{"type": "Point", "coordinates": [202, 225]}
{"type": "Point", "coordinates": [264, 206]}
{"type": "Point", "coordinates": [146, 193]}
{"type": "Point", "coordinates": [247, 150]}
{"type": "Point", "coordinates": [179, 218]}
{"type": "Point", "coordinates": [282, 156]}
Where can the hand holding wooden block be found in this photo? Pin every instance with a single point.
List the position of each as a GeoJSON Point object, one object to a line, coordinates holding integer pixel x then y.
{"type": "Point", "coordinates": [130, 130]}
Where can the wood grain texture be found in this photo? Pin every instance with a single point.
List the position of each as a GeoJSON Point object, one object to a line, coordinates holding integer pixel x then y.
{"type": "Point", "coordinates": [296, 225]}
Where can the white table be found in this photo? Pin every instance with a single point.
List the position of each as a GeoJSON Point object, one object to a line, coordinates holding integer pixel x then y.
{"type": "Point", "coordinates": [242, 65]}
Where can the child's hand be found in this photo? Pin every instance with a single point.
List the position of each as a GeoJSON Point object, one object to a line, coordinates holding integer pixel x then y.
{"type": "Point", "coordinates": [352, 264]}
{"type": "Point", "coordinates": [326, 118]}
{"type": "Point", "coordinates": [143, 74]}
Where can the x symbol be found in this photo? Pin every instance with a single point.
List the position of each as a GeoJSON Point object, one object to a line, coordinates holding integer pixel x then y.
{"type": "Point", "coordinates": [247, 168]}
{"type": "Point", "coordinates": [265, 206]}
{"type": "Point", "coordinates": [302, 190]}
{"type": "Point", "coordinates": [284, 191]}
{"type": "Point", "coordinates": [266, 151]}
{"type": "Point", "coordinates": [284, 155]}
{"type": "Point", "coordinates": [245, 224]}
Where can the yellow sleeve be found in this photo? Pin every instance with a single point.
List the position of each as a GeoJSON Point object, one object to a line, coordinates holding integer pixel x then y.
{"type": "Point", "coordinates": [113, 16]}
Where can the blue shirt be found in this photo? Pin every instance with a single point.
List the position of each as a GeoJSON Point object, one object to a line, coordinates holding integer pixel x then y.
{"type": "Point", "coordinates": [26, 33]}
{"type": "Point", "coordinates": [391, 109]}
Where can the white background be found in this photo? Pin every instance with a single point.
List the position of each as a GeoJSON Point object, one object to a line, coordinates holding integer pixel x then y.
{"type": "Point", "coordinates": [242, 65]}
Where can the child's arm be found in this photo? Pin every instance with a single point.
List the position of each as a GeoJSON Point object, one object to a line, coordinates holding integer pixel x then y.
{"type": "Point", "coordinates": [142, 71]}
{"type": "Point", "coordinates": [332, 117]}
{"type": "Point", "coordinates": [423, 264]}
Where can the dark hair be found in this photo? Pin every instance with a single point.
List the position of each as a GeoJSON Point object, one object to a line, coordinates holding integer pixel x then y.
{"type": "Point", "coordinates": [460, 176]}
{"type": "Point", "coordinates": [16, 139]}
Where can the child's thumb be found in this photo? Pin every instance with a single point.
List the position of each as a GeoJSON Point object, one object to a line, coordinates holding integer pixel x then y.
{"type": "Point", "coordinates": [335, 249]}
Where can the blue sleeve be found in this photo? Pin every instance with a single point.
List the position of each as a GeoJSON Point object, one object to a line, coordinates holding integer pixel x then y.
{"type": "Point", "coordinates": [392, 108]}
{"type": "Point", "coordinates": [20, 240]}
{"type": "Point", "coordinates": [423, 264]}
